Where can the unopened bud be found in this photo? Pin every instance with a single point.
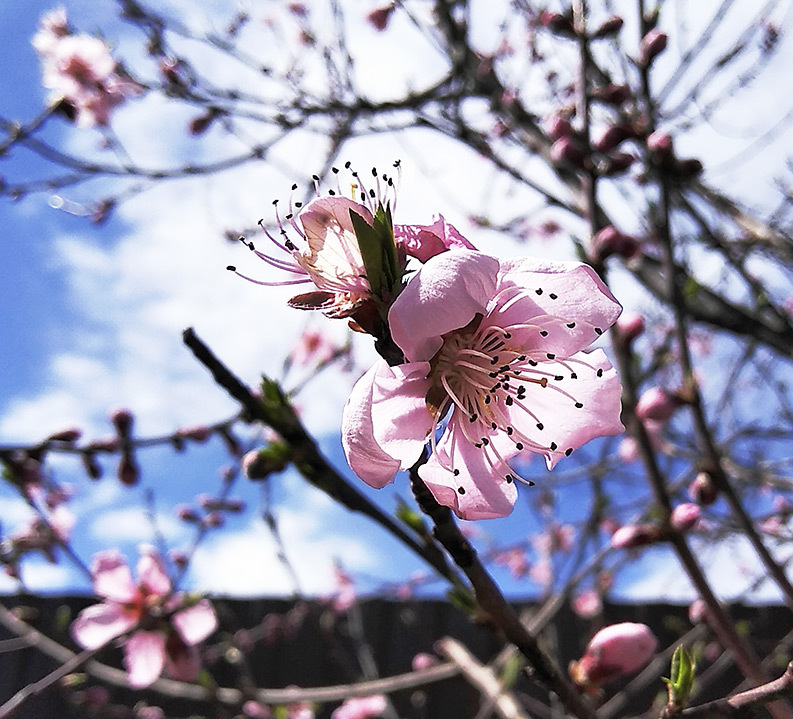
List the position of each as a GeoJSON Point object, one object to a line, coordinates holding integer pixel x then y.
{"type": "Point", "coordinates": [657, 404]}
{"type": "Point", "coordinates": [631, 536]}
{"type": "Point", "coordinates": [612, 137]}
{"type": "Point", "coordinates": [557, 23]}
{"type": "Point", "coordinates": [629, 326]}
{"type": "Point", "coordinates": [199, 433]}
{"type": "Point", "coordinates": [616, 163]}
{"type": "Point", "coordinates": [612, 94]}
{"type": "Point", "coordinates": [70, 435]}
{"type": "Point", "coordinates": [122, 420]}
{"type": "Point", "coordinates": [615, 650]}
{"type": "Point", "coordinates": [260, 464]}
{"type": "Point", "coordinates": [609, 28]}
{"type": "Point", "coordinates": [703, 490]}
{"type": "Point", "coordinates": [128, 470]}
{"type": "Point", "coordinates": [214, 519]}
{"type": "Point", "coordinates": [379, 18]}
{"type": "Point", "coordinates": [661, 145]}
{"type": "Point", "coordinates": [558, 126]}
{"type": "Point", "coordinates": [567, 151]}
{"type": "Point", "coordinates": [92, 468]}
{"type": "Point", "coordinates": [610, 241]}
{"type": "Point", "coordinates": [689, 169]}
{"type": "Point", "coordinates": [684, 516]}
{"type": "Point", "coordinates": [652, 45]}
{"type": "Point", "coordinates": [186, 513]}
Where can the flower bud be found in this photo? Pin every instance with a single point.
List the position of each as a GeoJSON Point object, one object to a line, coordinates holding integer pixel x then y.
{"type": "Point", "coordinates": [128, 470]}
{"type": "Point", "coordinates": [612, 137]}
{"type": "Point", "coordinates": [70, 435]}
{"type": "Point", "coordinates": [610, 241]}
{"type": "Point", "coordinates": [616, 163]}
{"type": "Point", "coordinates": [631, 536]}
{"type": "Point", "coordinates": [697, 611]}
{"type": "Point", "coordinates": [629, 326]}
{"type": "Point", "coordinates": [615, 650]}
{"type": "Point", "coordinates": [199, 433]}
{"type": "Point", "coordinates": [652, 45]}
{"type": "Point", "coordinates": [657, 404]}
{"type": "Point", "coordinates": [186, 513]}
{"type": "Point", "coordinates": [685, 516]}
{"type": "Point", "coordinates": [609, 28]}
{"type": "Point", "coordinates": [423, 661]}
{"type": "Point", "coordinates": [587, 604]}
{"type": "Point", "coordinates": [122, 420]}
{"type": "Point", "coordinates": [557, 23]}
{"type": "Point", "coordinates": [260, 464]}
{"type": "Point", "coordinates": [661, 145]}
{"type": "Point", "coordinates": [558, 126]}
{"type": "Point", "coordinates": [379, 18]}
{"type": "Point", "coordinates": [92, 468]}
{"type": "Point", "coordinates": [689, 169]}
{"type": "Point", "coordinates": [612, 94]}
{"type": "Point", "coordinates": [566, 150]}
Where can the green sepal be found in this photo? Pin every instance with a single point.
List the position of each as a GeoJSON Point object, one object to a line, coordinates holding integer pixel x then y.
{"type": "Point", "coordinates": [378, 252]}
{"type": "Point", "coordinates": [681, 679]}
{"type": "Point", "coordinates": [463, 599]}
{"type": "Point", "coordinates": [270, 460]}
{"type": "Point", "coordinates": [511, 670]}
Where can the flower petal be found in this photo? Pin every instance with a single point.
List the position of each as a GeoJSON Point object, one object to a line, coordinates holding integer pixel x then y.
{"type": "Point", "coordinates": [98, 624]}
{"type": "Point", "coordinates": [400, 418]}
{"type": "Point", "coordinates": [364, 455]}
{"type": "Point", "coordinates": [444, 295]}
{"type": "Point", "coordinates": [144, 658]}
{"type": "Point", "coordinates": [112, 578]}
{"type": "Point", "coordinates": [426, 241]}
{"type": "Point", "coordinates": [566, 426]}
{"type": "Point", "coordinates": [195, 623]}
{"type": "Point", "coordinates": [478, 491]}
{"type": "Point", "coordinates": [567, 301]}
{"type": "Point", "coordinates": [152, 576]}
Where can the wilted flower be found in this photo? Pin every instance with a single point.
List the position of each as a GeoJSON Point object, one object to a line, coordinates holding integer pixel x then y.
{"type": "Point", "coordinates": [161, 642]}
{"type": "Point", "coordinates": [615, 650]}
{"type": "Point", "coordinates": [493, 353]}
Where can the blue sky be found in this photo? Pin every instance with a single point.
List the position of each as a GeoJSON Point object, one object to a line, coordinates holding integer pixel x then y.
{"type": "Point", "coordinates": [92, 318]}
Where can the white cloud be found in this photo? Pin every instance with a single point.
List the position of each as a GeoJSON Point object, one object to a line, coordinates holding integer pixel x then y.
{"type": "Point", "coordinates": [132, 525]}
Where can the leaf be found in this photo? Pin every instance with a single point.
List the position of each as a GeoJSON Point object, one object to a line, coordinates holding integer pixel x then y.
{"type": "Point", "coordinates": [463, 599]}
{"type": "Point", "coordinates": [681, 679]}
{"type": "Point", "coordinates": [411, 518]}
{"type": "Point", "coordinates": [371, 252]}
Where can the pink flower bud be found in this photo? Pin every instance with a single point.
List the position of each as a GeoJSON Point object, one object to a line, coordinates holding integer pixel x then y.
{"type": "Point", "coordinates": [685, 516]}
{"type": "Point", "coordinates": [558, 126]}
{"type": "Point", "coordinates": [361, 708]}
{"type": "Point", "coordinates": [254, 710]}
{"type": "Point", "coordinates": [566, 150]}
{"type": "Point", "coordinates": [610, 241]}
{"type": "Point", "coordinates": [702, 490]}
{"type": "Point", "coordinates": [615, 163]}
{"type": "Point", "coordinates": [612, 137]}
{"type": "Point", "coordinates": [186, 513]}
{"type": "Point", "coordinates": [657, 404]}
{"type": "Point", "coordinates": [634, 535]}
{"type": "Point", "coordinates": [652, 45]}
{"type": "Point", "coordinates": [615, 650]}
{"type": "Point", "coordinates": [199, 433]}
{"type": "Point", "coordinates": [128, 470]}
{"type": "Point", "coordinates": [661, 145]}
{"type": "Point", "coordinates": [587, 604]}
{"type": "Point", "coordinates": [629, 326]}
{"type": "Point", "coordinates": [698, 611]}
{"type": "Point", "coordinates": [423, 661]}
{"type": "Point", "coordinates": [122, 420]}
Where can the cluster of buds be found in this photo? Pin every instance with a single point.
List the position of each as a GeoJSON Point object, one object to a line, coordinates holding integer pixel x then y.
{"type": "Point", "coordinates": [562, 24]}
{"type": "Point", "coordinates": [683, 518]}
{"type": "Point", "coordinates": [662, 156]}
{"type": "Point", "coordinates": [210, 511]}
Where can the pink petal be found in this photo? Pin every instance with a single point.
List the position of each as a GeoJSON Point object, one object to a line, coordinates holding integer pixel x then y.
{"type": "Point", "coordinates": [324, 211]}
{"type": "Point", "coordinates": [566, 425]}
{"type": "Point", "coordinates": [444, 295]}
{"type": "Point", "coordinates": [364, 455]}
{"type": "Point", "coordinates": [569, 292]}
{"type": "Point", "coordinates": [95, 626]}
{"type": "Point", "coordinates": [485, 493]}
{"type": "Point", "coordinates": [195, 623]}
{"type": "Point", "coordinates": [400, 418]}
{"type": "Point", "coordinates": [144, 658]}
{"type": "Point", "coordinates": [112, 578]}
{"type": "Point", "coordinates": [426, 241]}
{"type": "Point", "coordinates": [152, 576]}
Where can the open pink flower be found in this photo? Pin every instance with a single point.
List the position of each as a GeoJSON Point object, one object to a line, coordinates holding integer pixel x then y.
{"type": "Point", "coordinates": [128, 605]}
{"type": "Point", "coordinates": [494, 350]}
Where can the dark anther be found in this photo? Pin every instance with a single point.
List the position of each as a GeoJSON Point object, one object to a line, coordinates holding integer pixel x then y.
{"type": "Point", "coordinates": [578, 405]}
{"type": "Point", "coordinates": [551, 355]}
{"type": "Point", "coordinates": [540, 426]}
{"type": "Point", "coordinates": [598, 331]}
{"type": "Point", "coordinates": [460, 490]}
{"type": "Point", "coordinates": [518, 445]}
{"type": "Point", "coordinates": [456, 473]}
{"type": "Point", "coordinates": [599, 373]}
{"type": "Point", "coordinates": [231, 268]}
{"type": "Point", "coordinates": [553, 296]}
{"type": "Point", "coordinates": [538, 290]}
{"type": "Point", "coordinates": [558, 377]}
{"type": "Point", "coordinates": [571, 325]}
{"type": "Point", "coordinates": [568, 451]}
{"type": "Point", "coordinates": [553, 446]}
{"type": "Point", "coordinates": [573, 375]}
{"type": "Point", "coordinates": [509, 401]}
{"type": "Point", "coordinates": [543, 333]}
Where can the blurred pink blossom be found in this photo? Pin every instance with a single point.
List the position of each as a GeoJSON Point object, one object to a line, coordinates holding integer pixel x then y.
{"type": "Point", "coordinates": [127, 605]}
{"type": "Point", "coordinates": [361, 708]}
{"type": "Point", "coordinates": [685, 516]}
{"type": "Point", "coordinates": [313, 347]}
{"type": "Point", "coordinates": [587, 604]}
{"type": "Point", "coordinates": [423, 661]}
{"type": "Point", "coordinates": [657, 404]}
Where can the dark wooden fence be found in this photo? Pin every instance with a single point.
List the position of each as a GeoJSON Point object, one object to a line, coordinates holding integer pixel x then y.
{"type": "Point", "coordinates": [310, 647]}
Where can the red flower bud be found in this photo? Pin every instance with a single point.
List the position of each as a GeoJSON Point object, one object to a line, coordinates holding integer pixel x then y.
{"type": "Point", "coordinates": [379, 18]}
{"type": "Point", "coordinates": [615, 650]}
{"type": "Point", "coordinates": [609, 28]}
{"type": "Point", "coordinates": [122, 420]}
{"type": "Point", "coordinates": [128, 470]}
{"type": "Point", "coordinates": [702, 490]}
{"type": "Point", "coordinates": [567, 151]}
{"type": "Point", "coordinates": [629, 326]}
{"type": "Point", "coordinates": [685, 516]}
{"type": "Point", "coordinates": [657, 404]}
{"type": "Point", "coordinates": [558, 126]}
{"type": "Point", "coordinates": [615, 163]}
{"type": "Point", "coordinates": [612, 94]}
{"type": "Point", "coordinates": [610, 241]}
{"type": "Point", "coordinates": [612, 137]}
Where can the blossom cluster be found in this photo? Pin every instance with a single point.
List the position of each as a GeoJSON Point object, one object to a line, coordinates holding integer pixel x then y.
{"type": "Point", "coordinates": [483, 358]}
{"type": "Point", "coordinates": [79, 71]}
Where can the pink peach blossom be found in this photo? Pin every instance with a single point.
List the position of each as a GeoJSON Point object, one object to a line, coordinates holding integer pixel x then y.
{"type": "Point", "coordinates": [587, 604]}
{"type": "Point", "coordinates": [656, 404]}
{"type": "Point", "coordinates": [128, 605]}
{"type": "Point", "coordinates": [494, 351]}
{"type": "Point", "coordinates": [361, 708]}
{"type": "Point", "coordinates": [426, 241]}
{"type": "Point", "coordinates": [615, 650]}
